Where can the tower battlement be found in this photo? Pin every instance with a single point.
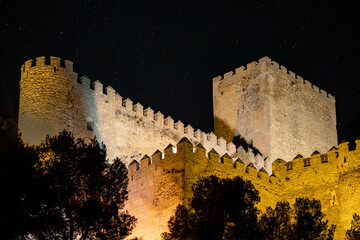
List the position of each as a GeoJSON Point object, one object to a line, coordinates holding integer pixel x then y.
{"type": "Point", "coordinates": [54, 64]}
{"type": "Point", "coordinates": [262, 65]}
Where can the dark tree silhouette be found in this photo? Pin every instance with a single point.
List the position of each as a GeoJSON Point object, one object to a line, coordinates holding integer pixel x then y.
{"type": "Point", "coordinates": [219, 209]}
{"type": "Point", "coordinates": [18, 195]}
{"type": "Point", "coordinates": [304, 221]}
{"type": "Point", "coordinates": [276, 223]}
{"type": "Point", "coordinates": [61, 189]}
{"type": "Point", "coordinates": [84, 192]}
{"type": "Point", "coordinates": [226, 209]}
{"type": "Point", "coordinates": [354, 232]}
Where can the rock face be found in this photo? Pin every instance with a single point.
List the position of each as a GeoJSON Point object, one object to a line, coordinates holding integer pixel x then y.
{"type": "Point", "coordinates": [278, 111]}
{"type": "Point", "coordinates": [282, 117]}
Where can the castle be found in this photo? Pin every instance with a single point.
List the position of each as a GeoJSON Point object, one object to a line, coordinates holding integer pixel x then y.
{"type": "Point", "coordinates": [287, 127]}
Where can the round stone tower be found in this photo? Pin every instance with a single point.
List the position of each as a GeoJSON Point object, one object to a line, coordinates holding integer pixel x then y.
{"type": "Point", "coordinates": [45, 89]}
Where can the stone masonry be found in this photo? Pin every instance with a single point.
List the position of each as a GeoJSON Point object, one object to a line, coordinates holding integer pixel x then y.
{"type": "Point", "coordinates": [160, 182]}
{"type": "Point", "coordinates": [282, 114]}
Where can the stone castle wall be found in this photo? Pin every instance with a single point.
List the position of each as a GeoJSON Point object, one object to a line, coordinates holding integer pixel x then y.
{"type": "Point", "coordinates": [53, 98]}
{"type": "Point", "coordinates": [282, 114]}
{"type": "Point", "coordinates": [158, 183]}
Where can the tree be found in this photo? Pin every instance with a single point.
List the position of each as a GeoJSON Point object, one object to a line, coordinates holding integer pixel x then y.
{"type": "Point", "coordinates": [18, 195]}
{"type": "Point", "coordinates": [219, 209]}
{"type": "Point", "coordinates": [276, 223]}
{"type": "Point", "coordinates": [354, 232]}
{"type": "Point", "coordinates": [304, 221]}
{"type": "Point", "coordinates": [84, 192]}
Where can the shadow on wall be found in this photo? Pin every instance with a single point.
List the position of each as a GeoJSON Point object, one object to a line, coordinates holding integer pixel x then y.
{"type": "Point", "coordinates": [222, 129]}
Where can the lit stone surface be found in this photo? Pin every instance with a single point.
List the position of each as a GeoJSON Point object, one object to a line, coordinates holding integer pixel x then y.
{"type": "Point", "coordinates": [282, 114]}
{"type": "Point", "coordinates": [157, 187]}
{"type": "Point", "coordinates": [52, 99]}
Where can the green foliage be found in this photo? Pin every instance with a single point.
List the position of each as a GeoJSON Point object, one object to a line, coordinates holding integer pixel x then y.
{"type": "Point", "coordinates": [304, 221]}
{"type": "Point", "coordinates": [219, 209]}
{"type": "Point", "coordinates": [354, 232]}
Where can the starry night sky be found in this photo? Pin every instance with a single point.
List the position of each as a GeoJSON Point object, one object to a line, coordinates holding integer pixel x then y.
{"type": "Point", "coordinates": [164, 54]}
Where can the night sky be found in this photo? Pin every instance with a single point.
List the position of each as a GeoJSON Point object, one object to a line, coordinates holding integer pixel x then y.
{"type": "Point", "coordinates": [164, 54]}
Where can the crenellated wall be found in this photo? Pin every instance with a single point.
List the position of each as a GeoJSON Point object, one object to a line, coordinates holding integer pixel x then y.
{"type": "Point", "coordinates": [53, 98]}
{"type": "Point", "coordinates": [160, 182]}
{"type": "Point", "coordinates": [275, 109]}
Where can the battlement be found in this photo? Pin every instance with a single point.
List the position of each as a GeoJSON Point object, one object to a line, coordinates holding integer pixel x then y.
{"type": "Point", "coordinates": [171, 154]}
{"type": "Point", "coordinates": [338, 159]}
{"type": "Point", "coordinates": [335, 161]}
{"type": "Point", "coordinates": [137, 112]}
{"type": "Point", "coordinates": [54, 63]}
{"type": "Point", "coordinates": [263, 65]}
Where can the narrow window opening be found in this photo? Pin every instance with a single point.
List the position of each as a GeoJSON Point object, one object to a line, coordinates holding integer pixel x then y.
{"type": "Point", "coordinates": [324, 158]}
{"type": "Point", "coordinates": [289, 166]}
{"type": "Point", "coordinates": [90, 124]}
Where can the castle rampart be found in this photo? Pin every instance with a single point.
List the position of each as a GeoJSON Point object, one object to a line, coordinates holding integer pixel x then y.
{"type": "Point", "coordinates": [160, 182]}
{"type": "Point", "coordinates": [53, 98]}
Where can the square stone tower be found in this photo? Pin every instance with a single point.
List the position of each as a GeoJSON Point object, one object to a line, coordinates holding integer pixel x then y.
{"type": "Point", "coordinates": [280, 113]}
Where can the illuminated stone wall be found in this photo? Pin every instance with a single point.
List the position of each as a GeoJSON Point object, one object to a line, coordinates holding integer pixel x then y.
{"type": "Point", "coordinates": [53, 98]}
{"type": "Point", "coordinates": [158, 184]}
{"type": "Point", "coordinates": [282, 114]}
